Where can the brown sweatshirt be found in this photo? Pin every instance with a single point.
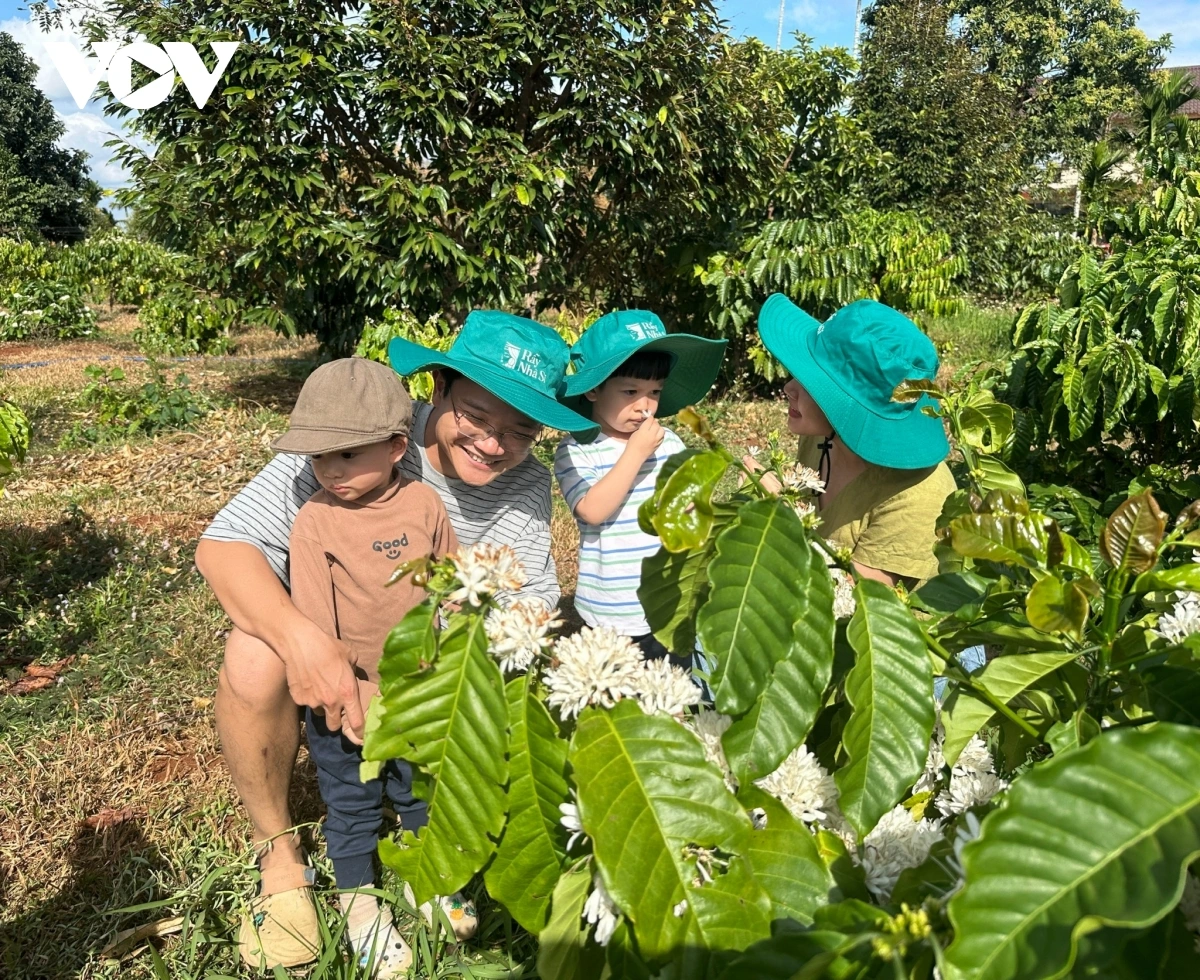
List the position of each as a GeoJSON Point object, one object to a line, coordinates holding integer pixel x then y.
{"type": "Point", "coordinates": [342, 552]}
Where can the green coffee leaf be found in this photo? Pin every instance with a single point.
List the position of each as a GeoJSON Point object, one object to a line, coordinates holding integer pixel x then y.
{"type": "Point", "coordinates": [890, 689]}
{"type": "Point", "coordinates": [530, 854]}
{"type": "Point", "coordinates": [1131, 536]}
{"type": "Point", "coordinates": [1099, 836]}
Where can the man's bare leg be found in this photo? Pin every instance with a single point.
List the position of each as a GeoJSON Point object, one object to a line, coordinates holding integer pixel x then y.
{"type": "Point", "coordinates": [259, 726]}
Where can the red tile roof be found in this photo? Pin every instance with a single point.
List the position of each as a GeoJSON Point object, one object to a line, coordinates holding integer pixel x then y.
{"type": "Point", "coordinates": [1191, 108]}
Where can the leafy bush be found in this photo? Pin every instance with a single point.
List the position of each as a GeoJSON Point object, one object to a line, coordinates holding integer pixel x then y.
{"type": "Point", "coordinates": [823, 265]}
{"type": "Point", "coordinates": [814, 823]}
{"type": "Point", "coordinates": [1026, 258]}
{"type": "Point", "coordinates": [14, 438]}
{"type": "Point", "coordinates": [1106, 380]}
{"type": "Point", "coordinates": [181, 321]}
{"type": "Point", "coordinates": [22, 261]}
{"type": "Point", "coordinates": [121, 409]}
{"type": "Point", "coordinates": [377, 334]}
{"type": "Point", "coordinates": [42, 309]}
{"type": "Point", "coordinates": [118, 268]}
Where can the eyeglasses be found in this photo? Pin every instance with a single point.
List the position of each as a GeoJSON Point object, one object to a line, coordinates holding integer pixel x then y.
{"type": "Point", "coordinates": [474, 427]}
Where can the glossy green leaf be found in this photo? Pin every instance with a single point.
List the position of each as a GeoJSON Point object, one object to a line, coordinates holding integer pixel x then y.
{"type": "Point", "coordinates": [785, 861]}
{"type": "Point", "coordinates": [1182, 578]}
{"type": "Point", "coordinates": [758, 741]}
{"type": "Point", "coordinates": [451, 723]}
{"type": "Point", "coordinates": [1131, 536]}
{"type": "Point", "coordinates": [564, 952]}
{"type": "Point", "coordinates": [530, 854]}
{"type": "Point", "coordinates": [992, 474]}
{"type": "Point", "coordinates": [1100, 836]}
{"type": "Point", "coordinates": [847, 875]}
{"type": "Point", "coordinates": [1055, 606]}
{"type": "Point", "coordinates": [798, 956]}
{"type": "Point", "coordinates": [684, 515]}
{"type": "Point", "coordinates": [964, 713]}
{"type": "Point", "coordinates": [411, 644]}
{"type": "Point", "coordinates": [646, 792]}
{"type": "Point", "coordinates": [755, 597]}
{"type": "Point", "coordinates": [890, 690]}
{"type": "Point", "coordinates": [675, 584]}
{"type": "Point", "coordinates": [1014, 539]}
{"type": "Point", "coordinates": [649, 506]}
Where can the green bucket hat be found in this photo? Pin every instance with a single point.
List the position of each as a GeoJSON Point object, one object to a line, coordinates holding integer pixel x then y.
{"type": "Point", "coordinates": [615, 337]}
{"type": "Point", "coordinates": [518, 360]}
{"type": "Point", "coordinates": [851, 364]}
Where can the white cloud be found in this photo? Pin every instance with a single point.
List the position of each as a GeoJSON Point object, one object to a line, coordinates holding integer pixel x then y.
{"type": "Point", "coordinates": [1180, 19]}
{"type": "Point", "coordinates": [87, 129]}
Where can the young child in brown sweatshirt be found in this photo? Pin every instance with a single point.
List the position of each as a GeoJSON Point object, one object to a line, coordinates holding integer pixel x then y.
{"type": "Point", "coordinates": [352, 419]}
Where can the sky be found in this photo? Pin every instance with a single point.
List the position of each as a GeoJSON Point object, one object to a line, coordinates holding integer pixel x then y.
{"type": "Point", "coordinates": [826, 21]}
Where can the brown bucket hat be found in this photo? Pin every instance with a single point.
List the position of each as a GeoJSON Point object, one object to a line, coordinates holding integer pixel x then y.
{"type": "Point", "coordinates": [345, 403]}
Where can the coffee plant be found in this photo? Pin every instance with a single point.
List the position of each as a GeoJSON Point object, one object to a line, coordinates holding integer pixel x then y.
{"type": "Point", "coordinates": [14, 438]}
{"type": "Point", "coordinates": [377, 334]}
{"type": "Point", "coordinates": [119, 409]}
{"type": "Point", "coordinates": [181, 320]}
{"type": "Point", "coordinates": [45, 309]}
{"type": "Point", "coordinates": [117, 268]}
{"type": "Point", "coordinates": [824, 816]}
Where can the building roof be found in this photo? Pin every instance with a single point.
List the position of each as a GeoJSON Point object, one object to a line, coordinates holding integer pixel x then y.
{"type": "Point", "coordinates": [1191, 108]}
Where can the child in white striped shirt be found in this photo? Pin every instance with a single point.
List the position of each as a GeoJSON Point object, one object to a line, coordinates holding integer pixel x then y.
{"type": "Point", "coordinates": [628, 372]}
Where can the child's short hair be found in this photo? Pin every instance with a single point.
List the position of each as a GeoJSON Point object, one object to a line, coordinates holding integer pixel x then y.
{"type": "Point", "coordinates": [645, 365]}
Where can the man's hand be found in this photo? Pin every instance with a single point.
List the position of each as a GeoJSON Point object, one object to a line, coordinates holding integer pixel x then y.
{"type": "Point", "coordinates": [646, 438]}
{"type": "Point", "coordinates": [320, 675]}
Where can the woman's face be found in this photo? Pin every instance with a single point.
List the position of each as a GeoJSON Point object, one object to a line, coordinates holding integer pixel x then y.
{"type": "Point", "coordinates": [804, 417]}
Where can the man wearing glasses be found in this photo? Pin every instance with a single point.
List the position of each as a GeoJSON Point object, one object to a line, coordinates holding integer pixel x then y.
{"type": "Point", "coordinates": [495, 389]}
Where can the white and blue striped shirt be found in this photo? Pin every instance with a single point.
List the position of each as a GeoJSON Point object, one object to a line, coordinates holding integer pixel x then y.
{"type": "Point", "coordinates": [610, 554]}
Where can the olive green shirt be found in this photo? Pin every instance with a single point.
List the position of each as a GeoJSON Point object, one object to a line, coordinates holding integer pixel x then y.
{"type": "Point", "coordinates": [887, 518]}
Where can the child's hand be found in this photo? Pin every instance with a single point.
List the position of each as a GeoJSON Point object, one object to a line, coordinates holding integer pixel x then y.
{"type": "Point", "coordinates": [646, 438]}
{"type": "Point", "coordinates": [769, 481]}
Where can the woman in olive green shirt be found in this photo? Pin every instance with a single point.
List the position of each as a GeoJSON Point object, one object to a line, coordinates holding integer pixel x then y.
{"type": "Point", "coordinates": [883, 461]}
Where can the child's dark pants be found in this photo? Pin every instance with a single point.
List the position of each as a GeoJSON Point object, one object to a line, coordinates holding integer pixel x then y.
{"type": "Point", "coordinates": [354, 809]}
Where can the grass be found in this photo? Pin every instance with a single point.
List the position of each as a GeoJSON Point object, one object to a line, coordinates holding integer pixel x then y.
{"type": "Point", "coordinates": [115, 807]}
{"type": "Point", "coordinates": [976, 334]}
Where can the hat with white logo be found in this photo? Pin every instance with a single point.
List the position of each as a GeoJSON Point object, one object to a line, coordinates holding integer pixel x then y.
{"type": "Point", "coordinates": [520, 361]}
{"type": "Point", "coordinates": [615, 337]}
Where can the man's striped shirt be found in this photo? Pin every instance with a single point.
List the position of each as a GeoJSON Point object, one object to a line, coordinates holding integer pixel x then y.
{"type": "Point", "coordinates": [514, 509]}
{"type": "Point", "coordinates": [610, 554]}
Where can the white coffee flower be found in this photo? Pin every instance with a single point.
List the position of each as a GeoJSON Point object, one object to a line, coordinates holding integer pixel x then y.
{"type": "Point", "coordinates": [968, 789]}
{"type": "Point", "coordinates": [680, 909]}
{"type": "Point", "coordinates": [485, 569]}
{"type": "Point", "coordinates": [593, 666]}
{"type": "Point", "coordinates": [935, 761]}
{"type": "Point", "coordinates": [600, 911]}
{"type": "Point", "coordinates": [1182, 620]}
{"type": "Point", "coordinates": [518, 633]}
{"type": "Point", "coordinates": [571, 823]}
{"type": "Point", "coordinates": [844, 602]}
{"type": "Point", "coordinates": [975, 757]}
{"type": "Point", "coordinates": [803, 786]}
{"type": "Point", "coordinates": [709, 726]}
{"type": "Point", "coordinates": [663, 687]}
{"type": "Point", "coordinates": [896, 842]}
{"type": "Point", "coordinates": [758, 817]}
{"type": "Point", "coordinates": [800, 477]}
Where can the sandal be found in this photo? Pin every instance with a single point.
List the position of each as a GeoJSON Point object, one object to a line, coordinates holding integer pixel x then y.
{"type": "Point", "coordinates": [280, 928]}
{"type": "Point", "coordinates": [457, 908]}
{"type": "Point", "coordinates": [380, 950]}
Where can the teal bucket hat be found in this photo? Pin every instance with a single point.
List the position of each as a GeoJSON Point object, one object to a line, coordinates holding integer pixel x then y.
{"type": "Point", "coordinates": [518, 360]}
{"type": "Point", "coordinates": [850, 365]}
{"type": "Point", "coordinates": [615, 337]}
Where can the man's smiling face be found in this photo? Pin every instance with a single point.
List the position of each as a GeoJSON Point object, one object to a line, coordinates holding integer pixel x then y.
{"type": "Point", "coordinates": [476, 436]}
